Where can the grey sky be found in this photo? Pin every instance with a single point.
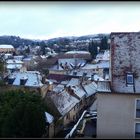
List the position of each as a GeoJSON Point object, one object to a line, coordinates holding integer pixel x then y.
{"type": "Point", "coordinates": [43, 20]}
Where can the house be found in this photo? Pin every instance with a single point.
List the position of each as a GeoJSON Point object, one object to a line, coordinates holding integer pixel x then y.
{"type": "Point", "coordinates": [27, 80]}
{"type": "Point", "coordinates": [66, 65]}
{"type": "Point", "coordinates": [70, 63]}
{"type": "Point", "coordinates": [14, 65]}
{"type": "Point", "coordinates": [35, 50]}
{"type": "Point", "coordinates": [7, 49]}
{"type": "Point", "coordinates": [28, 62]}
{"type": "Point", "coordinates": [98, 71]}
{"type": "Point", "coordinates": [105, 55]}
{"type": "Point", "coordinates": [101, 68]}
{"type": "Point", "coordinates": [85, 90]}
{"type": "Point", "coordinates": [8, 56]}
{"type": "Point", "coordinates": [118, 111]}
{"type": "Point", "coordinates": [68, 99]}
{"type": "Point", "coordinates": [50, 52]}
{"type": "Point", "coordinates": [73, 64]}
{"type": "Point", "coordinates": [63, 106]}
{"type": "Point", "coordinates": [118, 115]}
{"type": "Point", "coordinates": [75, 89]}
{"type": "Point", "coordinates": [90, 87]}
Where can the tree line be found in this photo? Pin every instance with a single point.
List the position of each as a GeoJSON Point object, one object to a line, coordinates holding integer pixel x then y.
{"type": "Point", "coordinates": [94, 46]}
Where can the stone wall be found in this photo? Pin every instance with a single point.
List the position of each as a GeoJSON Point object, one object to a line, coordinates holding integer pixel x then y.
{"type": "Point", "coordinates": [125, 57]}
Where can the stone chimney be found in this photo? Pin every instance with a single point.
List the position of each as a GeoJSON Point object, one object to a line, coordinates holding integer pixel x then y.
{"type": "Point", "coordinates": [50, 86]}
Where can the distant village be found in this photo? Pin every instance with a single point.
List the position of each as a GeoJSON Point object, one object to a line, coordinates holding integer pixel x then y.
{"type": "Point", "coordinates": [89, 95]}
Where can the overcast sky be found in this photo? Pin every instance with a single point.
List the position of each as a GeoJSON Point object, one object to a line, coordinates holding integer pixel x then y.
{"type": "Point", "coordinates": [44, 20]}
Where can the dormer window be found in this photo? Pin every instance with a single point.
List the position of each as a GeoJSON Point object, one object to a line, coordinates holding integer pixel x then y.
{"type": "Point", "coordinates": [75, 73]}
{"type": "Point", "coordinates": [84, 73]}
{"type": "Point", "coordinates": [129, 79]}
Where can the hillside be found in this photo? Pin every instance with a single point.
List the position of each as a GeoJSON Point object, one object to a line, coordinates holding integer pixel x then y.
{"type": "Point", "coordinates": [16, 41]}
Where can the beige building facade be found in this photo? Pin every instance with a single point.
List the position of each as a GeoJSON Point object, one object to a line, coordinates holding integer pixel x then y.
{"type": "Point", "coordinates": [117, 115]}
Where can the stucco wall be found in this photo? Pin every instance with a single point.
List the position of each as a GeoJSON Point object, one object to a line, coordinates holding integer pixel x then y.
{"type": "Point", "coordinates": [116, 115]}
{"type": "Point", "coordinates": [125, 57]}
{"type": "Point", "coordinates": [51, 130]}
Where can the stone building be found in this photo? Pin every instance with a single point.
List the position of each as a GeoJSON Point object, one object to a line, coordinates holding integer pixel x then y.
{"type": "Point", "coordinates": [118, 113]}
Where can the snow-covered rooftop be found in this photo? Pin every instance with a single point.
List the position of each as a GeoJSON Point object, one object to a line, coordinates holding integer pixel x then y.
{"type": "Point", "coordinates": [8, 54]}
{"type": "Point", "coordinates": [90, 88]}
{"type": "Point", "coordinates": [6, 47]}
{"type": "Point", "coordinates": [33, 78]}
{"type": "Point", "coordinates": [27, 59]}
{"type": "Point", "coordinates": [103, 86]}
{"type": "Point", "coordinates": [18, 57]}
{"type": "Point", "coordinates": [101, 65]}
{"type": "Point", "coordinates": [78, 91]}
{"type": "Point", "coordinates": [64, 101]}
{"type": "Point", "coordinates": [65, 82]}
{"type": "Point", "coordinates": [73, 82]}
{"type": "Point", "coordinates": [14, 61]}
{"type": "Point", "coordinates": [98, 78]}
{"type": "Point", "coordinates": [103, 55]}
{"type": "Point", "coordinates": [59, 88]}
{"type": "Point", "coordinates": [49, 117]}
{"type": "Point", "coordinates": [14, 66]}
{"type": "Point", "coordinates": [77, 52]}
{"type": "Point", "coordinates": [43, 56]}
{"type": "Point", "coordinates": [71, 62]}
{"type": "Point", "coordinates": [51, 81]}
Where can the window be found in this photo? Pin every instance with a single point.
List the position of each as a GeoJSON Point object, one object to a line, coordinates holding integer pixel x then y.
{"type": "Point", "coordinates": [74, 107]}
{"type": "Point", "coordinates": [77, 106]}
{"type": "Point", "coordinates": [68, 116]}
{"type": "Point", "coordinates": [129, 79]}
{"type": "Point", "coordinates": [137, 108]}
{"type": "Point", "coordinates": [84, 74]}
{"type": "Point", "coordinates": [75, 73]}
{"type": "Point", "coordinates": [137, 130]}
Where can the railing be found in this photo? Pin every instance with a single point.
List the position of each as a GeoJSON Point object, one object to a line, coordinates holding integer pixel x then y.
{"type": "Point", "coordinates": [75, 126]}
